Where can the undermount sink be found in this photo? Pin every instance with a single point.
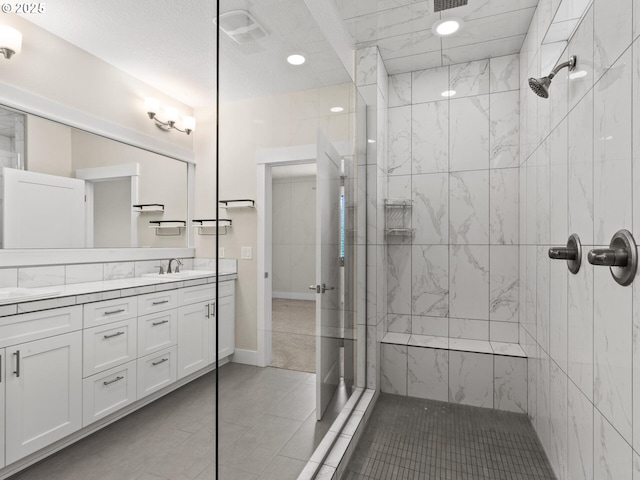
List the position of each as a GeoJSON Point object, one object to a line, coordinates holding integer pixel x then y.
{"type": "Point", "coordinates": [181, 275]}
{"type": "Point", "coordinates": [13, 294]}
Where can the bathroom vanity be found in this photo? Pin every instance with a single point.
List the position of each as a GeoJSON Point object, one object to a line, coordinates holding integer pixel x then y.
{"type": "Point", "coordinates": [94, 352]}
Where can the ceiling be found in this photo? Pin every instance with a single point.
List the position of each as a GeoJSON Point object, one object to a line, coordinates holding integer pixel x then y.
{"type": "Point", "coordinates": [171, 45]}
{"type": "Point", "coordinates": [402, 30]}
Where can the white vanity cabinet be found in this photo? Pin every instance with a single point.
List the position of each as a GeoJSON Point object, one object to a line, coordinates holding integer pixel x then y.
{"type": "Point", "coordinates": [108, 392]}
{"type": "Point", "coordinates": [194, 326]}
{"type": "Point", "coordinates": [225, 316]}
{"type": "Point", "coordinates": [2, 406]}
{"type": "Point", "coordinates": [43, 393]}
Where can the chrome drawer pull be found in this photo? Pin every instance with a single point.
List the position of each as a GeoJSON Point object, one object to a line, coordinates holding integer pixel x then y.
{"type": "Point", "coordinates": [159, 323]}
{"type": "Point", "coordinates": [17, 370]}
{"type": "Point", "coordinates": [160, 302]}
{"type": "Point", "coordinates": [120, 310]}
{"type": "Point", "coordinates": [112, 381]}
{"type": "Point", "coordinates": [159, 362]}
{"type": "Point", "coordinates": [117, 334]}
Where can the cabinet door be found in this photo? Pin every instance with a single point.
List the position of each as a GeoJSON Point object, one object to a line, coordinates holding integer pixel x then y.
{"type": "Point", "coordinates": [108, 346]}
{"type": "Point", "coordinates": [43, 393]}
{"type": "Point", "coordinates": [193, 331]}
{"type": "Point", "coordinates": [3, 374]}
{"type": "Point", "coordinates": [226, 313]}
{"type": "Point", "coordinates": [157, 332]}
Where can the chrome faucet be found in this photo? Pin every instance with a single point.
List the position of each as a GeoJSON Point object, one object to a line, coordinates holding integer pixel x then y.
{"type": "Point", "coordinates": [179, 263]}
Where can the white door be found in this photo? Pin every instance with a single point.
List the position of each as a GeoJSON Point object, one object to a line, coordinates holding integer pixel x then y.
{"type": "Point", "coordinates": [43, 393]}
{"type": "Point", "coordinates": [328, 184]}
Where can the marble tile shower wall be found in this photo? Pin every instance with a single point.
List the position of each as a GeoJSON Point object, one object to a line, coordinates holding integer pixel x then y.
{"type": "Point", "coordinates": [457, 159]}
{"type": "Point", "coordinates": [579, 174]}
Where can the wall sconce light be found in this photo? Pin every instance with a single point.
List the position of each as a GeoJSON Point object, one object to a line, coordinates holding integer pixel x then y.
{"type": "Point", "coordinates": [10, 41]}
{"type": "Point", "coordinates": [153, 105]}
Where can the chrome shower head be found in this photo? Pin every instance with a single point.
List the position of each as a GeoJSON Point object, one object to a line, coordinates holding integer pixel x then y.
{"type": "Point", "coordinates": [541, 85]}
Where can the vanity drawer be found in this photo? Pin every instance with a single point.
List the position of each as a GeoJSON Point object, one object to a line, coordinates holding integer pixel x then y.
{"type": "Point", "coordinates": [156, 371]}
{"type": "Point", "coordinates": [109, 345]}
{"type": "Point", "coordinates": [38, 325]}
{"type": "Point", "coordinates": [157, 302]}
{"type": "Point", "coordinates": [197, 294]}
{"type": "Point", "coordinates": [226, 289]}
{"type": "Point", "coordinates": [108, 392]}
{"type": "Point", "coordinates": [157, 331]}
{"type": "Point", "coordinates": [109, 311]}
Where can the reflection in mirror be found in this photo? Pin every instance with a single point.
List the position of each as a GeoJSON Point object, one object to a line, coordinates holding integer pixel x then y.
{"type": "Point", "coordinates": [62, 169]}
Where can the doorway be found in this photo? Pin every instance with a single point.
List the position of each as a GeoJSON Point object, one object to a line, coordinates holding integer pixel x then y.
{"type": "Point", "coordinates": [293, 341]}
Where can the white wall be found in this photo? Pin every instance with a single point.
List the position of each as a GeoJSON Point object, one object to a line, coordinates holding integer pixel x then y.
{"type": "Point", "coordinates": [294, 236]}
{"type": "Point", "coordinates": [579, 174]}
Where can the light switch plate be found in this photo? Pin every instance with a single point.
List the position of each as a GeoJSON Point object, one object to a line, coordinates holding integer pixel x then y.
{"type": "Point", "coordinates": [246, 253]}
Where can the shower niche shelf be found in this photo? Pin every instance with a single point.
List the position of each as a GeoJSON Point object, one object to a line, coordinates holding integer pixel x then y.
{"type": "Point", "coordinates": [209, 226]}
{"type": "Point", "coordinates": [397, 216]}
{"type": "Point", "coordinates": [148, 207]}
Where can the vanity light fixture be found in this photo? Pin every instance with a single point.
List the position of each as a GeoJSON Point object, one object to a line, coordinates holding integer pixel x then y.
{"type": "Point", "coordinates": [447, 26]}
{"type": "Point", "coordinates": [152, 106]}
{"type": "Point", "coordinates": [10, 41]}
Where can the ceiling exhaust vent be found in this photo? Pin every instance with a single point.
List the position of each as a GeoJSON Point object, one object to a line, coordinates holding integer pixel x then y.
{"type": "Point", "coordinates": [241, 27]}
{"type": "Point", "coordinates": [439, 5]}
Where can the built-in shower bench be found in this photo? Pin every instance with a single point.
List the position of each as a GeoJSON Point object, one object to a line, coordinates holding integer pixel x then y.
{"type": "Point", "coordinates": [470, 372]}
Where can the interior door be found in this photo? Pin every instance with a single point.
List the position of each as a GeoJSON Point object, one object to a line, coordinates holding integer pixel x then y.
{"type": "Point", "coordinates": [328, 183]}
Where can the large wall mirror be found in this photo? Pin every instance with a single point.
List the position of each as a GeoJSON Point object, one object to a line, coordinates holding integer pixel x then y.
{"type": "Point", "coordinates": [62, 187]}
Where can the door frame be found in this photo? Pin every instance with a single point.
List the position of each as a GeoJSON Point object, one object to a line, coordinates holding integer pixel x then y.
{"type": "Point", "coordinates": [266, 159]}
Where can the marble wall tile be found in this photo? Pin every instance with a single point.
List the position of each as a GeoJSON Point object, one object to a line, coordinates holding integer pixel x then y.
{"type": "Point", "coordinates": [558, 308]}
{"type": "Point", "coordinates": [469, 329]}
{"type": "Point", "coordinates": [91, 272]}
{"type": "Point", "coordinates": [469, 207]}
{"type": "Point", "coordinates": [612, 167]}
{"type": "Point", "coordinates": [399, 279]}
{"type": "Point", "coordinates": [543, 412]}
{"type": "Point", "coordinates": [373, 358]}
{"type": "Point", "coordinates": [580, 327]}
{"type": "Point", "coordinates": [636, 466]}
{"type": "Point", "coordinates": [430, 211]}
{"type": "Point", "coordinates": [581, 45]}
{"type": "Point", "coordinates": [542, 193]}
{"type": "Point", "coordinates": [529, 320]}
{"type": "Point", "coordinates": [558, 178]}
{"type": "Point", "coordinates": [428, 373]}
{"type": "Point", "coordinates": [430, 137]}
{"type": "Point", "coordinates": [503, 206]}
{"type": "Point", "coordinates": [469, 133]}
{"type": "Point", "coordinates": [612, 32]}
{"type": "Point", "coordinates": [399, 323]}
{"type": "Point", "coordinates": [436, 326]}
{"type": "Point", "coordinates": [612, 325]}
{"type": "Point", "coordinates": [427, 85]}
{"type": "Point", "coordinates": [532, 379]}
{"type": "Point", "coordinates": [503, 283]}
{"type": "Point", "coordinates": [542, 297]}
{"type": "Point", "coordinates": [579, 434]}
{"type": "Point", "coordinates": [366, 66]}
{"type": "Point", "coordinates": [510, 384]}
{"type": "Point", "coordinates": [8, 277]}
{"type": "Point", "coordinates": [613, 457]}
{"type": "Point", "coordinates": [636, 121]}
{"type": "Point", "coordinates": [468, 79]}
{"type": "Point", "coordinates": [469, 282]}
{"type": "Point", "coordinates": [399, 161]}
{"type": "Point", "coordinates": [372, 284]}
{"type": "Point", "coordinates": [471, 379]}
{"type": "Point", "coordinates": [580, 158]}
{"type": "Point", "coordinates": [114, 271]}
{"type": "Point", "coordinates": [504, 73]}
{"type": "Point", "coordinates": [558, 420]}
{"type": "Point", "coordinates": [506, 332]}
{"type": "Point", "coordinates": [400, 90]}
{"type": "Point", "coordinates": [393, 375]}
{"type": "Point", "coordinates": [504, 129]}
{"type": "Point", "coordinates": [430, 280]}
{"type": "Point", "coordinates": [531, 199]}
{"type": "Point", "coordinates": [33, 277]}
{"type": "Point", "coordinates": [636, 362]}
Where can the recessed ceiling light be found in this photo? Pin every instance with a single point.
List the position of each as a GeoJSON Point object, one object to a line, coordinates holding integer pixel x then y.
{"type": "Point", "coordinates": [296, 59]}
{"type": "Point", "coordinates": [447, 26]}
{"type": "Point", "coordinates": [448, 93]}
{"type": "Point", "coordinates": [337, 109]}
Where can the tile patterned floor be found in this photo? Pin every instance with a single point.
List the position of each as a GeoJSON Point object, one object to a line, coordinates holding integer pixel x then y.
{"type": "Point", "coordinates": [409, 438]}
{"type": "Point", "coordinates": [267, 424]}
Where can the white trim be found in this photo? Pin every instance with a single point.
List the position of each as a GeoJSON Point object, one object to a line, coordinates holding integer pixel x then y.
{"type": "Point", "coordinates": [42, 107]}
{"type": "Point", "coordinates": [246, 357]}
{"type": "Point", "coordinates": [110, 172]}
{"type": "Point", "coordinates": [294, 296]}
{"type": "Point", "coordinates": [298, 154]}
{"type": "Point", "coordinates": [263, 259]}
{"type": "Point", "coordinates": [51, 256]}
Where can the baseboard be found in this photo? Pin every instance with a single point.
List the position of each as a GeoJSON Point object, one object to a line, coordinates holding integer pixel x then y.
{"type": "Point", "coordinates": [294, 295]}
{"type": "Point", "coordinates": [246, 357]}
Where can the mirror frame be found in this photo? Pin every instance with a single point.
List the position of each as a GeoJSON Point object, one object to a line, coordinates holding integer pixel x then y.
{"type": "Point", "coordinates": [35, 105]}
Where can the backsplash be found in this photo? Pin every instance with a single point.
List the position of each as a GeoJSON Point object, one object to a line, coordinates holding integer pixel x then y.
{"type": "Point", "coordinates": [32, 277]}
